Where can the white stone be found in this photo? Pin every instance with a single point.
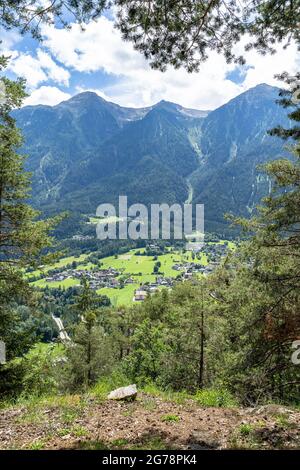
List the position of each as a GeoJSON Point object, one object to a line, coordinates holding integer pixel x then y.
{"type": "Point", "coordinates": [123, 393]}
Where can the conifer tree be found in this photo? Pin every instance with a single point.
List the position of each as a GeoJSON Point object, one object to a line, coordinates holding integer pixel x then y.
{"type": "Point", "coordinates": [23, 235]}
{"type": "Point", "coordinates": [179, 33]}
{"type": "Point", "coordinates": [263, 294]}
{"type": "Point", "coordinates": [91, 351]}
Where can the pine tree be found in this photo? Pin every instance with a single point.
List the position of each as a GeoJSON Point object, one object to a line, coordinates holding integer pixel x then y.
{"type": "Point", "coordinates": [278, 237]}
{"type": "Point", "coordinates": [23, 236]}
{"type": "Point", "coordinates": [90, 352]}
{"type": "Point", "coordinates": [179, 33]}
{"type": "Point", "coordinates": [28, 15]}
{"type": "Point", "coordinates": [182, 33]}
{"type": "Point", "coordinates": [263, 296]}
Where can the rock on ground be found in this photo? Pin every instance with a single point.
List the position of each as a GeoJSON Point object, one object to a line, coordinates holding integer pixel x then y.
{"type": "Point", "coordinates": [123, 393]}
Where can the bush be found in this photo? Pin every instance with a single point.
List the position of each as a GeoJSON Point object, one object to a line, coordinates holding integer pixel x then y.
{"type": "Point", "coordinates": [90, 356]}
{"type": "Point", "coordinates": [245, 429]}
{"type": "Point", "coordinates": [167, 394]}
{"type": "Point", "coordinates": [215, 398]}
{"type": "Point", "coordinates": [11, 377]}
{"type": "Point", "coordinates": [108, 383]}
{"type": "Point", "coordinates": [40, 366]}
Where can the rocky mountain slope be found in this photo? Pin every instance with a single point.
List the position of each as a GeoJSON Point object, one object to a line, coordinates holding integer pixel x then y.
{"type": "Point", "coordinates": [86, 151]}
{"type": "Point", "coordinates": [233, 142]}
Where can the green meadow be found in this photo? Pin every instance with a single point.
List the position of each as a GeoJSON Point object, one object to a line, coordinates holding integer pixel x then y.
{"type": "Point", "coordinates": [119, 297]}
{"type": "Point", "coordinates": [59, 264]}
{"type": "Point", "coordinates": [139, 267]}
{"type": "Point", "coordinates": [42, 283]}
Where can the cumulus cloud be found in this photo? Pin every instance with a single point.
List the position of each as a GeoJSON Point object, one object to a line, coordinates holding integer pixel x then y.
{"type": "Point", "coordinates": [54, 72]}
{"type": "Point", "coordinates": [8, 39]}
{"type": "Point", "coordinates": [100, 47]}
{"type": "Point", "coordinates": [48, 95]}
{"type": "Point", "coordinates": [38, 69]}
{"type": "Point", "coordinates": [24, 65]}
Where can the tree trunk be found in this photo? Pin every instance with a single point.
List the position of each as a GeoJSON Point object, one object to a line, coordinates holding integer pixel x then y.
{"type": "Point", "coordinates": [89, 355]}
{"type": "Point", "coordinates": [201, 356]}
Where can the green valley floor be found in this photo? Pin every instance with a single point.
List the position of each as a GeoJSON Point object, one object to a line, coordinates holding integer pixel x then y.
{"type": "Point", "coordinates": [140, 268]}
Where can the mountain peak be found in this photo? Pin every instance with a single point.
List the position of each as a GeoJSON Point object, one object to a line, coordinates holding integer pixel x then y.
{"type": "Point", "coordinates": [174, 107]}
{"type": "Point", "coordinates": [263, 88]}
{"type": "Point", "coordinates": [87, 150]}
{"type": "Point", "coordinates": [256, 94]}
{"type": "Point", "coordinates": [85, 96]}
{"type": "Point", "coordinates": [167, 105]}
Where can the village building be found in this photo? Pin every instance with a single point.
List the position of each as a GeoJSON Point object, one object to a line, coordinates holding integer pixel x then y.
{"type": "Point", "coordinates": [140, 295]}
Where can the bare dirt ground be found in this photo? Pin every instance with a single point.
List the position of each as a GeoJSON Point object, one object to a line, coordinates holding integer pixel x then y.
{"type": "Point", "coordinates": [147, 423]}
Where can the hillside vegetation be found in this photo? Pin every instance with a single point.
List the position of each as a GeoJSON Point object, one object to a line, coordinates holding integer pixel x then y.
{"type": "Point", "coordinates": [87, 151]}
{"type": "Point", "coordinates": [226, 338]}
{"type": "Point", "coordinates": [155, 421]}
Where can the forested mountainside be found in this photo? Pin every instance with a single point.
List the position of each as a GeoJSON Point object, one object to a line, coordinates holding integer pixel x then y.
{"type": "Point", "coordinates": [86, 151]}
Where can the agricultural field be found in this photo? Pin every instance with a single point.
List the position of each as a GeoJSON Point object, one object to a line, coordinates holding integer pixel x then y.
{"type": "Point", "coordinates": [58, 264]}
{"type": "Point", "coordinates": [141, 269]}
{"type": "Point", "coordinates": [138, 266]}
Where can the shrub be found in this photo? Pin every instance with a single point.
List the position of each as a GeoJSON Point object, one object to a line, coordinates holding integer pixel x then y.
{"type": "Point", "coordinates": [40, 365]}
{"type": "Point", "coordinates": [12, 375]}
{"type": "Point", "coordinates": [167, 394]}
{"type": "Point", "coordinates": [108, 383]}
{"type": "Point", "coordinates": [215, 398]}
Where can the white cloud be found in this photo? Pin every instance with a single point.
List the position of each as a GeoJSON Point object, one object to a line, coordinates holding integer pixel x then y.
{"type": "Point", "coordinates": [38, 69]}
{"type": "Point", "coordinates": [24, 65]}
{"type": "Point", "coordinates": [100, 47]}
{"type": "Point", "coordinates": [54, 72]}
{"type": "Point", "coordinates": [265, 67]}
{"type": "Point", "coordinates": [48, 95]}
{"type": "Point", "coordinates": [8, 39]}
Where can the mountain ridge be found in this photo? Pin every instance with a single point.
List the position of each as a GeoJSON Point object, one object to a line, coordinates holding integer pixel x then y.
{"type": "Point", "coordinates": [131, 111]}
{"type": "Point", "coordinates": [86, 150]}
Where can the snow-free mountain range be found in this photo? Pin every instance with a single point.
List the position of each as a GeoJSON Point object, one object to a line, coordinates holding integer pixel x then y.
{"type": "Point", "coordinates": [86, 151]}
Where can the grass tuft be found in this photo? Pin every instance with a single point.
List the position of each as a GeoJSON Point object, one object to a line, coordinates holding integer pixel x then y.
{"type": "Point", "coordinates": [215, 398]}
{"type": "Point", "coordinates": [170, 418]}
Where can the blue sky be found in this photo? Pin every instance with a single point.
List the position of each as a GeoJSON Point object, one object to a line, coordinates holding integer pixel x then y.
{"type": "Point", "coordinates": [68, 62]}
